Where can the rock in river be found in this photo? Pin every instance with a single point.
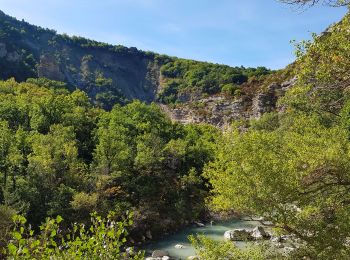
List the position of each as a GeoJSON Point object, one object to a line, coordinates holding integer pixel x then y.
{"type": "Point", "coordinates": [259, 233]}
{"type": "Point", "coordinates": [238, 235]}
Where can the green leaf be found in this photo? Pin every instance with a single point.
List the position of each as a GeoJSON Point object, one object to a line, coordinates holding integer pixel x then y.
{"type": "Point", "coordinates": [12, 249]}
{"type": "Point", "coordinates": [17, 235]}
{"type": "Point", "coordinates": [59, 219]}
{"type": "Point", "coordinates": [53, 233]}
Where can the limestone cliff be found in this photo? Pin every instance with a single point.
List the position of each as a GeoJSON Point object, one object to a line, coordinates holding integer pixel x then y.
{"type": "Point", "coordinates": [221, 111]}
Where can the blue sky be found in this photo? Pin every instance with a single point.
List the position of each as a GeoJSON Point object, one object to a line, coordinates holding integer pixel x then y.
{"type": "Point", "coordinates": [246, 32]}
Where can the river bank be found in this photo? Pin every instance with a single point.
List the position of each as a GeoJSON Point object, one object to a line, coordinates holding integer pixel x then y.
{"type": "Point", "coordinates": [213, 230]}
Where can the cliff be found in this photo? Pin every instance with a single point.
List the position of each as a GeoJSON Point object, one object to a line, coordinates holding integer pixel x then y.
{"type": "Point", "coordinates": [189, 91]}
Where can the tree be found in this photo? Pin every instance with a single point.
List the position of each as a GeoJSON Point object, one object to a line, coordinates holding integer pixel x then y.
{"type": "Point", "coordinates": [54, 168]}
{"type": "Point", "coordinates": [334, 3]}
{"type": "Point", "coordinates": [296, 176]}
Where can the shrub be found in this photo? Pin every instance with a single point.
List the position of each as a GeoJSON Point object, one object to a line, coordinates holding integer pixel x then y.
{"type": "Point", "coordinates": [103, 239]}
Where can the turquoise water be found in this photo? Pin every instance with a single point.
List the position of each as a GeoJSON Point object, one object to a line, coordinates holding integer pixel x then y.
{"type": "Point", "coordinates": [216, 231]}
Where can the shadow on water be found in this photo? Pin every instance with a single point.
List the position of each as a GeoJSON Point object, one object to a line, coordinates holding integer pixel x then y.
{"type": "Point", "coordinates": [215, 231]}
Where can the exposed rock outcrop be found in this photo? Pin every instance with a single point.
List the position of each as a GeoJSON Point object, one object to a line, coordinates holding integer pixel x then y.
{"type": "Point", "coordinates": [49, 68]}
{"type": "Point", "coordinates": [220, 111]}
{"type": "Point", "coordinates": [266, 101]}
{"type": "Point", "coordinates": [259, 233]}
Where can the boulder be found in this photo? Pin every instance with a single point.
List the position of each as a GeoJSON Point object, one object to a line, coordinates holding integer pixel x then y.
{"type": "Point", "coordinates": [259, 233]}
{"type": "Point", "coordinates": [159, 253]}
{"type": "Point", "coordinates": [238, 235]}
{"type": "Point", "coordinates": [166, 257]}
{"type": "Point", "coordinates": [179, 246]}
{"type": "Point", "coordinates": [199, 224]}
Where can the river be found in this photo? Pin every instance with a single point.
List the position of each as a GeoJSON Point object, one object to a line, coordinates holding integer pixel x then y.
{"type": "Point", "coordinates": [215, 231]}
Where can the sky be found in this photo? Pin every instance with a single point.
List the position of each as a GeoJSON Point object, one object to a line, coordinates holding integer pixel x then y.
{"type": "Point", "coordinates": [234, 32]}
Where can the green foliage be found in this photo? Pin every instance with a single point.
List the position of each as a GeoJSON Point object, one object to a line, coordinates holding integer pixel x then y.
{"type": "Point", "coordinates": [59, 155]}
{"type": "Point", "coordinates": [296, 176]}
{"type": "Point", "coordinates": [139, 150]}
{"type": "Point", "coordinates": [230, 89]}
{"type": "Point", "coordinates": [209, 249]}
{"type": "Point", "coordinates": [293, 168]}
{"type": "Point", "coordinates": [47, 83]}
{"type": "Point", "coordinates": [187, 76]}
{"type": "Point", "coordinates": [322, 69]}
{"type": "Point", "coordinates": [102, 239]}
{"type": "Point", "coordinates": [47, 138]}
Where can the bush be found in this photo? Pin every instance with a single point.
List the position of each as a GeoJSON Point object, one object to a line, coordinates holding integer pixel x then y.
{"type": "Point", "coordinates": [229, 89]}
{"type": "Point", "coordinates": [103, 239]}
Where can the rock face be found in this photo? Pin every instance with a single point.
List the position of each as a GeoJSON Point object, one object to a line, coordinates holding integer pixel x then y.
{"type": "Point", "coordinates": [49, 68]}
{"type": "Point", "coordinates": [215, 110]}
{"type": "Point", "coordinates": [88, 65]}
{"type": "Point", "coordinates": [221, 111]}
{"type": "Point", "coordinates": [238, 235]}
{"type": "Point", "coordinates": [259, 233]}
{"type": "Point", "coordinates": [11, 57]}
{"type": "Point", "coordinates": [266, 101]}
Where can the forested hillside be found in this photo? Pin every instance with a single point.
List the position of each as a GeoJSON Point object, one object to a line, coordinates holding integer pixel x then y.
{"type": "Point", "coordinates": [108, 73]}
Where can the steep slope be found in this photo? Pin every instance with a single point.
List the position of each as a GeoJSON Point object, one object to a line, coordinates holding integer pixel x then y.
{"type": "Point", "coordinates": [189, 91]}
{"type": "Point", "coordinates": [112, 72]}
